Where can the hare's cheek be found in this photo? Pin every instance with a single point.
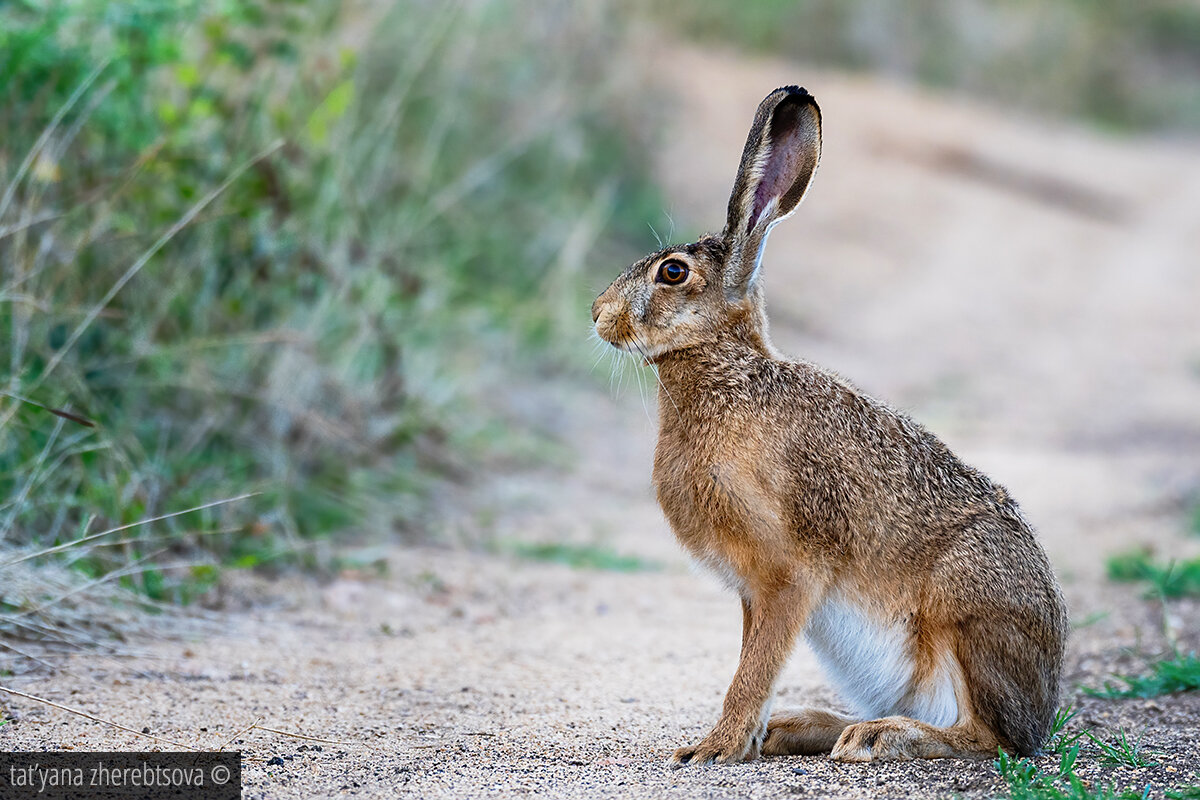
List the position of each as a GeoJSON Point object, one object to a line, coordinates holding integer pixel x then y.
{"type": "Point", "coordinates": [644, 305]}
{"type": "Point", "coordinates": [657, 310]}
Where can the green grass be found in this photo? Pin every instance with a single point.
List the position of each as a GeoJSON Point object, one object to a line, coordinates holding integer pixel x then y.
{"type": "Point", "coordinates": [1122, 751]}
{"type": "Point", "coordinates": [1121, 63]}
{"type": "Point", "coordinates": [584, 556]}
{"type": "Point", "coordinates": [1089, 620]}
{"type": "Point", "coordinates": [1025, 780]}
{"type": "Point", "coordinates": [264, 249]}
{"type": "Point", "coordinates": [1059, 740]}
{"type": "Point", "coordinates": [1178, 578]}
{"type": "Point", "coordinates": [1179, 673]}
{"type": "Point", "coordinates": [1184, 793]}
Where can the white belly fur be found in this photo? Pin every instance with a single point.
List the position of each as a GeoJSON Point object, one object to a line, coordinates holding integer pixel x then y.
{"type": "Point", "coordinates": [869, 661]}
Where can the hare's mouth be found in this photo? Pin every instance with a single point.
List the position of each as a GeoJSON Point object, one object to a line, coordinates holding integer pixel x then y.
{"type": "Point", "coordinates": [642, 351]}
{"type": "Point", "coordinates": [624, 342]}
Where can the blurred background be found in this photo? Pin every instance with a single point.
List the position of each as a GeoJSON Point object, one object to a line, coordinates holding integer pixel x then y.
{"type": "Point", "coordinates": [338, 256]}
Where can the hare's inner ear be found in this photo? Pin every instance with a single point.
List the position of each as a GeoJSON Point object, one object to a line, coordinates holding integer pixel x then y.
{"type": "Point", "coordinates": [781, 155]}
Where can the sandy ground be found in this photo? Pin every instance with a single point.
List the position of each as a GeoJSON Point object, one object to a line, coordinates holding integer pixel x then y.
{"type": "Point", "coordinates": [1031, 293]}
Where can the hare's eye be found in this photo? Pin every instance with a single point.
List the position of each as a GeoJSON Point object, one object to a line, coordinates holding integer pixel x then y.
{"type": "Point", "coordinates": [672, 272]}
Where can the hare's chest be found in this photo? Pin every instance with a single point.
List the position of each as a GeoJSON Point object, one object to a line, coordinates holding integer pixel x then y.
{"type": "Point", "coordinates": [720, 513]}
{"type": "Point", "coordinates": [676, 485]}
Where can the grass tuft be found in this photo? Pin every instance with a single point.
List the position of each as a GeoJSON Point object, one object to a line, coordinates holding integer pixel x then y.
{"type": "Point", "coordinates": [1122, 751]}
{"type": "Point", "coordinates": [1180, 673]}
{"type": "Point", "coordinates": [1026, 781]}
{"type": "Point", "coordinates": [1169, 579]}
{"type": "Point", "coordinates": [1060, 741]}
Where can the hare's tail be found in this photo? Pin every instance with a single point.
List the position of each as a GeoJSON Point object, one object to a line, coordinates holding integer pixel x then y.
{"type": "Point", "coordinates": [1013, 682]}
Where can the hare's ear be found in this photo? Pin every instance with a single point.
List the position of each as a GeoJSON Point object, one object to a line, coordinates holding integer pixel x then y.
{"type": "Point", "coordinates": [781, 155]}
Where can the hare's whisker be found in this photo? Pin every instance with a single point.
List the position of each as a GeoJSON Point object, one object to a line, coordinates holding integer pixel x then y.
{"type": "Point", "coordinates": [618, 374]}
{"type": "Point", "coordinates": [638, 370]}
{"type": "Point", "coordinates": [657, 378]}
{"type": "Point", "coordinates": [600, 349]}
{"type": "Point", "coordinates": [621, 378]}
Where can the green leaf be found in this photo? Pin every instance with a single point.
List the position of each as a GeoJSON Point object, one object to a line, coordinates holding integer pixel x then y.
{"type": "Point", "coordinates": [188, 75]}
{"type": "Point", "coordinates": [332, 108]}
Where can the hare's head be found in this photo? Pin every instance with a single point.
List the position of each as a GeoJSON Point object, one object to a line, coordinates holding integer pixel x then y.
{"type": "Point", "coordinates": [694, 294]}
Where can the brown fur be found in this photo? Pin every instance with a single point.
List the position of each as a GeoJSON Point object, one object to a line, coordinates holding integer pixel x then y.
{"type": "Point", "coordinates": [797, 487]}
{"type": "Point", "coordinates": [805, 733]}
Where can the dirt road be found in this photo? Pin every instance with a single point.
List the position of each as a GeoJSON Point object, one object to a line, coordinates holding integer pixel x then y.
{"type": "Point", "coordinates": [1029, 292]}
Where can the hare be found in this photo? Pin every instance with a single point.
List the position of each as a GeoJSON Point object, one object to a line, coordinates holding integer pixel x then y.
{"type": "Point", "coordinates": [916, 580]}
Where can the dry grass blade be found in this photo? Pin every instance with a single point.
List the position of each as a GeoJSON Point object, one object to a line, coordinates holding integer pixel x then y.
{"type": "Point", "coordinates": [28, 655]}
{"type": "Point", "coordinates": [132, 568]}
{"type": "Point", "coordinates": [148, 540]}
{"type": "Point", "coordinates": [90, 537]}
{"type": "Point", "coordinates": [242, 732]}
{"type": "Point", "coordinates": [56, 411]}
{"type": "Point", "coordinates": [94, 718]}
{"type": "Point", "coordinates": [9, 230]}
{"type": "Point", "coordinates": [294, 735]}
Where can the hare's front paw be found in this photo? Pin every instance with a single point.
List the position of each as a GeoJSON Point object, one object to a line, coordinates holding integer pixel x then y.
{"type": "Point", "coordinates": [720, 748]}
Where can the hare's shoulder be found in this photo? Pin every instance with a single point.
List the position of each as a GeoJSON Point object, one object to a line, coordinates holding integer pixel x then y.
{"type": "Point", "coordinates": [823, 403]}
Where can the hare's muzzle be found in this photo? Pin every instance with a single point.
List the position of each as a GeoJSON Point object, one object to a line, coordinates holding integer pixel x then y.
{"type": "Point", "coordinates": [605, 315]}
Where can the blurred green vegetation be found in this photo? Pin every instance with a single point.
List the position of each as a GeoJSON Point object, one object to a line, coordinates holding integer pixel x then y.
{"type": "Point", "coordinates": [584, 556]}
{"type": "Point", "coordinates": [283, 247]}
{"type": "Point", "coordinates": [1166, 579]}
{"type": "Point", "coordinates": [1178, 673]}
{"type": "Point", "coordinates": [1125, 64]}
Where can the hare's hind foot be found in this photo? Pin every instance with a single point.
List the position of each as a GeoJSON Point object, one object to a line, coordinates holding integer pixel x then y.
{"type": "Point", "coordinates": [898, 738]}
{"type": "Point", "coordinates": [807, 732]}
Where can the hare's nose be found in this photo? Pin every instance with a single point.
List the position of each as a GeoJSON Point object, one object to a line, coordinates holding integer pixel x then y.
{"type": "Point", "coordinates": [596, 309]}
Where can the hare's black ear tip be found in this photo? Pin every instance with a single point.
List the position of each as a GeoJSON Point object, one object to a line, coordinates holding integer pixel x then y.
{"type": "Point", "coordinates": [797, 93]}
{"type": "Point", "coordinates": [794, 96]}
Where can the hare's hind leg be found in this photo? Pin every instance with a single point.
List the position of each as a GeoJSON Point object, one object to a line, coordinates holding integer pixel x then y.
{"type": "Point", "coordinates": [894, 738]}
{"type": "Point", "coordinates": [935, 717]}
{"type": "Point", "coordinates": [807, 732]}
